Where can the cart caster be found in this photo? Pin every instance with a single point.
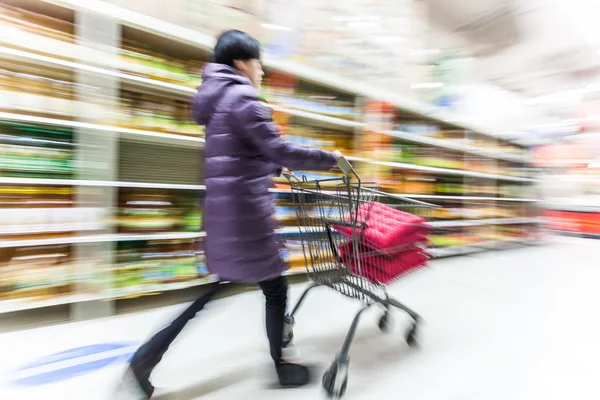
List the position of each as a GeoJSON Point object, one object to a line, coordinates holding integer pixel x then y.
{"type": "Point", "coordinates": [412, 336]}
{"type": "Point", "coordinates": [335, 379]}
{"type": "Point", "coordinates": [288, 331]}
{"type": "Point", "coordinates": [384, 323]}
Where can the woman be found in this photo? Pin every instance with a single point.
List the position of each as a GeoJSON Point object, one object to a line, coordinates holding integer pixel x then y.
{"type": "Point", "coordinates": [243, 153]}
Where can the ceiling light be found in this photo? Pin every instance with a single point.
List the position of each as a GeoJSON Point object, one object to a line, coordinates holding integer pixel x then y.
{"type": "Point", "coordinates": [427, 85]}
{"type": "Point", "coordinates": [276, 27]}
{"type": "Point", "coordinates": [425, 52]}
{"type": "Point", "coordinates": [584, 14]}
{"type": "Point", "coordinates": [390, 39]}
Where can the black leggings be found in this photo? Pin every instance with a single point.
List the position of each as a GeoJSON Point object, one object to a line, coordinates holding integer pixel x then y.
{"type": "Point", "coordinates": [150, 353]}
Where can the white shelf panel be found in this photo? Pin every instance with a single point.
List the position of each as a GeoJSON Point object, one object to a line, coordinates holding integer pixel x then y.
{"type": "Point", "coordinates": [205, 42]}
{"type": "Point", "coordinates": [77, 182]}
{"type": "Point", "coordinates": [478, 247]}
{"type": "Point", "coordinates": [442, 171]}
{"type": "Point", "coordinates": [438, 197]}
{"type": "Point", "coordinates": [8, 306]}
{"type": "Point", "coordinates": [323, 119]}
{"type": "Point", "coordinates": [295, 271]}
{"type": "Point", "coordinates": [483, 222]}
{"type": "Point", "coordinates": [469, 198]}
{"type": "Point", "coordinates": [150, 289]}
{"type": "Point", "coordinates": [126, 133]}
{"type": "Point", "coordinates": [446, 144]}
{"type": "Point", "coordinates": [121, 237]}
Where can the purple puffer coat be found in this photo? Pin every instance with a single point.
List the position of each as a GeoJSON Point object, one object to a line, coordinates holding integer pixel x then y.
{"type": "Point", "coordinates": [243, 153]}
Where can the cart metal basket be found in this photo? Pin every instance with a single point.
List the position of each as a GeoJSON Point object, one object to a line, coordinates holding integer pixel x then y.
{"type": "Point", "coordinates": [333, 216]}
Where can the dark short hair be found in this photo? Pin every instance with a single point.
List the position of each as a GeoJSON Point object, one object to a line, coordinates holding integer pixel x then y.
{"type": "Point", "coordinates": [235, 45]}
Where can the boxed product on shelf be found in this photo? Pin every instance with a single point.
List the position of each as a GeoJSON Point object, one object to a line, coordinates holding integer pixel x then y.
{"type": "Point", "coordinates": [140, 61]}
{"type": "Point", "coordinates": [44, 212]}
{"type": "Point", "coordinates": [31, 151]}
{"type": "Point", "coordinates": [35, 272]}
{"type": "Point", "coordinates": [154, 210]}
{"type": "Point", "coordinates": [142, 111]}
{"type": "Point", "coordinates": [140, 264]}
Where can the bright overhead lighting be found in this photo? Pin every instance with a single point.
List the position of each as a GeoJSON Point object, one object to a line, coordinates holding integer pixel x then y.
{"type": "Point", "coordinates": [427, 85]}
{"type": "Point", "coordinates": [584, 14]}
{"type": "Point", "coordinates": [425, 52]}
{"type": "Point", "coordinates": [382, 39]}
{"type": "Point", "coordinates": [275, 27]}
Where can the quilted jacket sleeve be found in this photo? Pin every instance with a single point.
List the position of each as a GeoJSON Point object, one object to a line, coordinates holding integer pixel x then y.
{"type": "Point", "coordinates": [254, 120]}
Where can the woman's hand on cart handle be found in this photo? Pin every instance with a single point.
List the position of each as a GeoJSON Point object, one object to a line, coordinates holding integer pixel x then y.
{"type": "Point", "coordinates": [288, 174]}
{"type": "Point", "coordinates": [343, 163]}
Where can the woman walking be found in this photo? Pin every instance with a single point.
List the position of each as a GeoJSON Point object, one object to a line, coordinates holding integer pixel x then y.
{"type": "Point", "coordinates": [243, 153]}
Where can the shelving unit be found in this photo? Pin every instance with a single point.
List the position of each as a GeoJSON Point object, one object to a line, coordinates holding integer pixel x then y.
{"type": "Point", "coordinates": [147, 159]}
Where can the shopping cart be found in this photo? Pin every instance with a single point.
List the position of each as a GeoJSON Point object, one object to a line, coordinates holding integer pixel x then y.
{"type": "Point", "coordinates": [333, 219]}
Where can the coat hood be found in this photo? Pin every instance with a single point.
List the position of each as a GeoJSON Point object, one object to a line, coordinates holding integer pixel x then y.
{"type": "Point", "coordinates": [216, 78]}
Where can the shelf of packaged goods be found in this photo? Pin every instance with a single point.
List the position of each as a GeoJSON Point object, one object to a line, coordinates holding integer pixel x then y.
{"type": "Point", "coordinates": [452, 251]}
{"type": "Point", "coordinates": [468, 198]}
{"type": "Point", "coordinates": [456, 198]}
{"type": "Point", "coordinates": [442, 171]}
{"type": "Point", "coordinates": [184, 91]}
{"type": "Point", "coordinates": [131, 79]}
{"type": "Point", "coordinates": [583, 235]}
{"type": "Point", "coordinates": [41, 229]}
{"type": "Point", "coordinates": [448, 144]}
{"type": "Point", "coordinates": [125, 133]}
{"type": "Point", "coordinates": [78, 182]}
{"type": "Point", "coordinates": [120, 237]}
{"type": "Point", "coordinates": [295, 271]}
{"type": "Point", "coordinates": [484, 222]}
{"type": "Point", "coordinates": [8, 306]}
{"type": "Point", "coordinates": [325, 120]}
{"type": "Point", "coordinates": [144, 290]}
{"type": "Point", "coordinates": [318, 76]}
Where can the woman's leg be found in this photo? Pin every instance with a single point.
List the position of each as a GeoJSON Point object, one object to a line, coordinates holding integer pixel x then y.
{"type": "Point", "coordinates": [147, 357]}
{"type": "Point", "coordinates": [275, 291]}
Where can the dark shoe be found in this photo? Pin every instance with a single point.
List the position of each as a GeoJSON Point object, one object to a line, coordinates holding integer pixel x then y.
{"type": "Point", "coordinates": [139, 382]}
{"type": "Point", "coordinates": [292, 375]}
{"type": "Point", "coordinates": [133, 387]}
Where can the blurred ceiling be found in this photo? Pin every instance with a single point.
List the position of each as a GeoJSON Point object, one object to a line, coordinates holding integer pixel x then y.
{"type": "Point", "coordinates": [526, 46]}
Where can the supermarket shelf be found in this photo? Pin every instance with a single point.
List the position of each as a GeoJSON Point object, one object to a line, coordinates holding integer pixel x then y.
{"type": "Point", "coordinates": [443, 171]}
{"type": "Point", "coordinates": [8, 306]}
{"type": "Point", "coordinates": [446, 144]}
{"type": "Point", "coordinates": [121, 237]}
{"type": "Point", "coordinates": [205, 42]}
{"type": "Point", "coordinates": [42, 229]}
{"type": "Point", "coordinates": [469, 198]}
{"type": "Point", "coordinates": [479, 247]}
{"type": "Point", "coordinates": [125, 133]}
{"type": "Point", "coordinates": [325, 120]}
{"type": "Point", "coordinates": [438, 197]}
{"type": "Point", "coordinates": [77, 182]}
{"type": "Point", "coordinates": [154, 289]}
{"type": "Point", "coordinates": [156, 85]}
{"type": "Point", "coordinates": [27, 57]}
{"type": "Point", "coordinates": [484, 222]}
{"type": "Point", "coordinates": [583, 235]}
{"type": "Point", "coordinates": [295, 271]}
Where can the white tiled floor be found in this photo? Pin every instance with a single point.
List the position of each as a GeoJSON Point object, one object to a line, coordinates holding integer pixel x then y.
{"type": "Point", "coordinates": [515, 325]}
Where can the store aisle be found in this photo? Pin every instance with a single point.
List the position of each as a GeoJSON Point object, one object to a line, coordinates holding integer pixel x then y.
{"type": "Point", "coordinates": [518, 325]}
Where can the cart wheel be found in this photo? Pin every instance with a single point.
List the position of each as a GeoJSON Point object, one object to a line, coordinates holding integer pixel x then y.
{"type": "Point", "coordinates": [336, 379]}
{"type": "Point", "coordinates": [288, 331]}
{"type": "Point", "coordinates": [384, 323]}
{"type": "Point", "coordinates": [411, 336]}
